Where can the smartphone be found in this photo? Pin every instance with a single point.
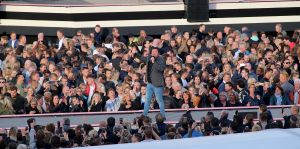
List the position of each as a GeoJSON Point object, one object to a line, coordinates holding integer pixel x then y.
{"type": "Point", "coordinates": [121, 120]}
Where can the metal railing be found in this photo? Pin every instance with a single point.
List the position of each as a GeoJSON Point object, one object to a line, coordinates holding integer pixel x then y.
{"type": "Point", "coordinates": [172, 115]}
{"type": "Point", "coordinates": [89, 3]}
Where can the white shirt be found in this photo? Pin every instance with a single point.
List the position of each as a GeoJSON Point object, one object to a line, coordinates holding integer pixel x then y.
{"type": "Point", "coordinates": [143, 99]}
{"type": "Point", "coordinates": [92, 87]}
{"type": "Point", "coordinates": [184, 82]}
{"type": "Point", "coordinates": [13, 43]}
{"type": "Point", "coordinates": [60, 43]}
{"type": "Point", "coordinates": [44, 104]}
{"type": "Point", "coordinates": [96, 68]}
{"type": "Point", "coordinates": [296, 98]}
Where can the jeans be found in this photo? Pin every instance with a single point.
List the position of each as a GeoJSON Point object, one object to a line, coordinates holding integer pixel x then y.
{"type": "Point", "coordinates": [158, 91]}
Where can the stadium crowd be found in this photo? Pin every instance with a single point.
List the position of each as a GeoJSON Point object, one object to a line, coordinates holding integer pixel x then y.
{"type": "Point", "coordinates": [141, 129]}
{"type": "Point", "coordinates": [97, 72]}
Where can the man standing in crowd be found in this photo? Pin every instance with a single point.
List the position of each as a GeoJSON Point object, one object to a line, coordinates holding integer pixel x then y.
{"type": "Point", "coordinates": [155, 80]}
{"type": "Point", "coordinates": [97, 34]}
{"type": "Point", "coordinates": [13, 42]}
{"type": "Point", "coordinates": [61, 37]}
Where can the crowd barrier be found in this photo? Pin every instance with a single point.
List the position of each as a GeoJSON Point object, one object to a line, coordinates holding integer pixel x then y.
{"type": "Point", "coordinates": [99, 3]}
{"type": "Point", "coordinates": [172, 115]}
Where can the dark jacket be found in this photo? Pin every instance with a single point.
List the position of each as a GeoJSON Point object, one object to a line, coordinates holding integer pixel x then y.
{"type": "Point", "coordinates": [124, 108]}
{"type": "Point", "coordinates": [61, 108]}
{"type": "Point", "coordinates": [137, 104]}
{"type": "Point", "coordinates": [76, 108]}
{"type": "Point", "coordinates": [254, 101]}
{"type": "Point", "coordinates": [97, 38]}
{"type": "Point", "coordinates": [156, 71]}
{"type": "Point", "coordinates": [79, 80]}
{"type": "Point", "coordinates": [19, 104]}
{"type": "Point", "coordinates": [285, 100]}
{"type": "Point", "coordinates": [29, 109]}
{"type": "Point", "coordinates": [10, 43]}
{"type": "Point", "coordinates": [221, 87]}
{"type": "Point", "coordinates": [169, 102]}
{"type": "Point", "coordinates": [97, 107]}
{"type": "Point", "coordinates": [218, 103]}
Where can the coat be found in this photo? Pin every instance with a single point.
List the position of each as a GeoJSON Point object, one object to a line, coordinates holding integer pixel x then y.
{"type": "Point", "coordinates": [15, 45]}
{"type": "Point", "coordinates": [156, 72]}
{"type": "Point", "coordinates": [285, 100]}
{"type": "Point", "coordinates": [97, 107]}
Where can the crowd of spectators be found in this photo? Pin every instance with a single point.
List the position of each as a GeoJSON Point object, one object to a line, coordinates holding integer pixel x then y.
{"type": "Point", "coordinates": [97, 72]}
{"type": "Point", "coordinates": [141, 129]}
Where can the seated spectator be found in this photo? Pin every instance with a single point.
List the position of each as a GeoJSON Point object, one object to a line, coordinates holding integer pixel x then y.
{"type": "Point", "coordinates": [32, 107]}
{"type": "Point", "coordinates": [279, 97]}
{"type": "Point", "coordinates": [186, 100]}
{"type": "Point", "coordinates": [76, 105]}
{"type": "Point", "coordinates": [126, 104]}
{"type": "Point", "coordinates": [221, 101]}
{"type": "Point", "coordinates": [232, 100]}
{"type": "Point", "coordinates": [6, 107]}
{"type": "Point", "coordinates": [96, 103]}
{"type": "Point", "coordinates": [253, 98]}
{"type": "Point", "coordinates": [113, 103]}
{"type": "Point", "coordinates": [18, 101]}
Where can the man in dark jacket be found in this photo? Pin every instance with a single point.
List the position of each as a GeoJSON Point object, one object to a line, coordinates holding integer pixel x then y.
{"type": "Point", "coordinates": [155, 80]}
{"type": "Point", "coordinates": [18, 102]}
{"type": "Point", "coordinates": [97, 35]}
{"type": "Point", "coordinates": [169, 102]}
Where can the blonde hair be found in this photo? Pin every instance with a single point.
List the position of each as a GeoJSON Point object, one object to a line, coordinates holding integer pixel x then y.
{"type": "Point", "coordinates": [93, 98]}
{"type": "Point", "coordinates": [196, 101]}
{"type": "Point", "coordinates": [251, 81]}
{"type": "Point", "coordinates": [6, 102]}
{"type": "Point", "coordinates": [256, 128]}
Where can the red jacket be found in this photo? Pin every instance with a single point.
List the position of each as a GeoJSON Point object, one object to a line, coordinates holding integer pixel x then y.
{"type": "Point", "coordinates": [87, 90]}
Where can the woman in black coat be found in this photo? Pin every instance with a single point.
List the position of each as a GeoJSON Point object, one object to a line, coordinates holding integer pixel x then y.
{"type": "Point", "coordinates": [32, 107]}
{"type": "Point", "coordinates": [96, 105]}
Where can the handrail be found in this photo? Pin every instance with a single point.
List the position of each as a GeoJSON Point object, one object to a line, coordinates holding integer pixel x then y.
{"type": "Point", "coordinates": [136, 111]}
{"type": "Point", "coordinates": [136, 4]}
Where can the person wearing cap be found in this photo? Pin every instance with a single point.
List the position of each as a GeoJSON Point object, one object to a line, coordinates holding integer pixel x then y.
{"type": "Point", "coordinates": [155, 80]}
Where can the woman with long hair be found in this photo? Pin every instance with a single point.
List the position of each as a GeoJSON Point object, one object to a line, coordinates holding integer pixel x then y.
{"type": "Point", "coordinates": [96, 105]}
{"type": "Point", "coordinates": [6, 105]}
{"type": "Point", "coordinates": [32, 107]}
{"type": "Point", "coordinates": [186, 100]}
{"type": "Point", "coordinates": [30, 94]}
